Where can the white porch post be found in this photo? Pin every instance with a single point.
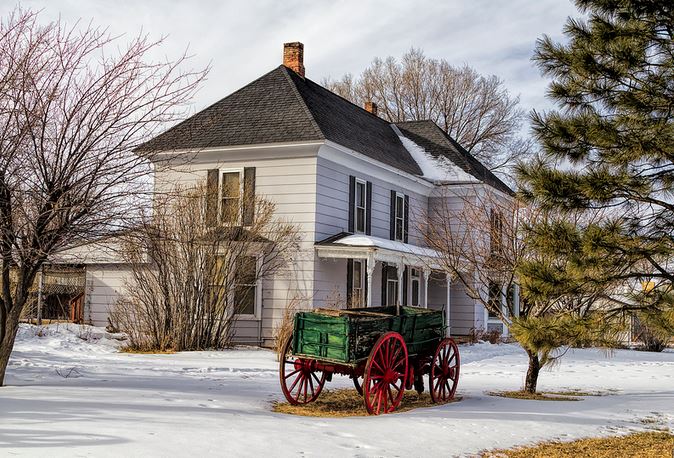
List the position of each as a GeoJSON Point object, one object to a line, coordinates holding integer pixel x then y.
{"type": "Point", "coordinates": [516, 299]}
{"type": "Point", "coordinates": [371, 263]}
{"type": "Point", "coordinates": [449, 294]}
{"type": "Point", "coordinates": [427, 273]}
{"type": "Point", "coordinates": [400, 267]}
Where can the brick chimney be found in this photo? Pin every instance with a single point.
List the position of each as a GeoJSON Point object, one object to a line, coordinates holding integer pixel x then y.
{"type": "Point", "coordinates": [293, 57]}
{"type": "Point", "coordinates": [371, 107]}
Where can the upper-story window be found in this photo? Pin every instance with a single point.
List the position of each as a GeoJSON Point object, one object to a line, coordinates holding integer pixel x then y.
{"type": "Point", "coordinates": [230, 196]}
{"type": "Point", "coordinates": [360, 206]}
{"type": "Point", "coordinates": [496, 231]}
{"type": "Point", "coordinates": [360, 203]}
{"type": "Point", "coordinates": [399, 216]}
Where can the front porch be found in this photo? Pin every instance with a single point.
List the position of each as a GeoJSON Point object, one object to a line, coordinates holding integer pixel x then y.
{"type": "Point", "coordinates": [386, 272]}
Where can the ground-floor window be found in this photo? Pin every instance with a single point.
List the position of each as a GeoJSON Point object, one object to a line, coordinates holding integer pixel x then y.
{"type": "Point", "coordinates": [391, 286]}
{"type": "Point", "coordinates": [358, 289]}
{"type": "Point", "coordinates": [415, 284]}
{"type": "Point", "coordinates": [494, 299]}
{"type": "Point", "coordinates": [245, 288]}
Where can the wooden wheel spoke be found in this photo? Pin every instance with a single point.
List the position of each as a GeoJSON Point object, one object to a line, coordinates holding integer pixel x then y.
{"type": "Point", "coordinates": [395, 356]}
{"type": "Point", "coordinates": [311, 382]}
{"type": "Point", "coordinates": [375, 363]}
{"type": "Point", "coordinates": [292, 373]}
{"type": "Point", "coordinates": [297, 379]}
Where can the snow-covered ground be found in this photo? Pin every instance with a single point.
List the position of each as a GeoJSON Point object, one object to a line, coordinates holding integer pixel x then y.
{"type": "Point", "coordinates": [71, 393]}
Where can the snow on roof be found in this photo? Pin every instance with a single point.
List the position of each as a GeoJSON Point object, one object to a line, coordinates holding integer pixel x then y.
{"type": "Point", "coordinates": [438, 168]}
{"type": "Point", "coordinates": [360, 240]}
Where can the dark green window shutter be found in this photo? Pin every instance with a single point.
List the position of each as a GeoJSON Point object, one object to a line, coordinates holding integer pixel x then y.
{"type": "Point", "coordinates": [392, 216]}
{"type": "Point", "coordinates": [406, 219]}
{"type": "Point", "coordinates": [352, 202]}
{"type": "Point", "coordinates": [368, 212]}
{"type": "Point", "coordinates": [365, 285]}
{"type": "Point", "coordinates": [384, 275]}
{"type": "Point", "coordinates": [248, 196]}
{"type": "Point", "coordinates": [212, 180]}
{"type": "Point", "coordinates": [349, 281]}
{"type": "Point", "coordinates": [404, 298]}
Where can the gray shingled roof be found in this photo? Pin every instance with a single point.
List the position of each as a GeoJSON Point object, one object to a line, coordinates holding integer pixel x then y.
{"type": "Point", "coordinates": [281, 106]}
{"type": "Point", "coordinates": [268, 110]}
{"type": "Point", "coordinates": [434, 140]}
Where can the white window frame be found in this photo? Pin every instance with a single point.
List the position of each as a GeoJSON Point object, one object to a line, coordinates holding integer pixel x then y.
{"type": "Point", "coordinates": [496, 230]}
{"type": "Point", "coordinates": [397, 217]}
{"type": "Point", "coordinates": [390, 281]}
{"type": "Point", "coordinates": [221, 172]}
{"type": "Point", "coordinates": [258, 292]}
{"type": "Point", "coordinates": [356, 206]}
{"type": "Point", "coordinates": [415, 277]}
{"type": "Point", "coordinates": [358, 292]}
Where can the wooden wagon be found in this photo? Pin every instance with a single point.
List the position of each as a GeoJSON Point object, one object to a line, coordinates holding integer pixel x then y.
{"type": "Point", "coordinates": [389, 348]}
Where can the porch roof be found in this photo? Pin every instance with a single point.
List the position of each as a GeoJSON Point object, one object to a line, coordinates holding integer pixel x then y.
{"type": "Point", "coordinates": [346, 245]}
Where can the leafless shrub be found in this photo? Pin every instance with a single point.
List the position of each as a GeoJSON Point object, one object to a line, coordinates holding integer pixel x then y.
{"type": "Point", "coordinates": [191, 276]}
{"type": "Point", "coordinates": [284, 329]}
{"type": "Point", "coordinates": [70, 372]}
{"type": "Point", "coordinates": [493, 336]}
{"type": "Point", "coordinates": [335, 300]}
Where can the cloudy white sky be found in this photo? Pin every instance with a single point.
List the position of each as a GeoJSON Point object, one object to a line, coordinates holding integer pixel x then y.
{"type": "Point", "coordinates": [241, 40]}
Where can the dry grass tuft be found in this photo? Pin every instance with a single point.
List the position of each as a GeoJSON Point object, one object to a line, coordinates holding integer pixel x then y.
{"type": "Point", "coordinates": [643, 445]}
{"type": "Point", "coordinates": [546, 396]}
{"type": "Point", "coordinates": [137, 351]}
{"type": "Point", "coordinates": [348, 403]}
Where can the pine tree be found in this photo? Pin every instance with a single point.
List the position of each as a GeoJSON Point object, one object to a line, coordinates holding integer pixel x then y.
{"type": "Point", "coordinates": [608, 148]}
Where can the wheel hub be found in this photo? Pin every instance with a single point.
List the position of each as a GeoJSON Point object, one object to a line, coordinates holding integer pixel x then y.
{"type": "Point", "coordinates": [390, 376]}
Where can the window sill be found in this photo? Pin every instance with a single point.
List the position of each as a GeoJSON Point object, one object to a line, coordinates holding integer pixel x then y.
{"type": "Point", "coordinates": [247, 317]}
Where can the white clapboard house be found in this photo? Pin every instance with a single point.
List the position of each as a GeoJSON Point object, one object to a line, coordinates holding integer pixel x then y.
{"type": "Point", "coordinates": [351, 181]}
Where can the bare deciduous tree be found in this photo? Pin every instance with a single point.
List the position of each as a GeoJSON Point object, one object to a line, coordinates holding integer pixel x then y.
{"type": "Point", "coordinates": [190, 278]}
{"type": "Point", "coordinates": [486, 243]}
{"type": "Point", "coordinates": [477, 111]}
{"type": "Point", "coordinates": [74, 103]}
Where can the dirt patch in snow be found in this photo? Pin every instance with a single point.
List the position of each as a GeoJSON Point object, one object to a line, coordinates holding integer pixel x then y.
{"type": "Point", "coordinates": [571, 395]}
{"type": "Point", "coordinates": [643, 445]}
{"type": "Point", "coordinates": [348, 403]}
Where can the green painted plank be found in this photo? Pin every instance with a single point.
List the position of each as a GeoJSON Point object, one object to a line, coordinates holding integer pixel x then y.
{"type": "Point", "coordinates": [349, 338]}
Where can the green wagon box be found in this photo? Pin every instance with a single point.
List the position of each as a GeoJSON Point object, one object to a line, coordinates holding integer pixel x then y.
{"type": "Point", "coordinates": [347, 336]}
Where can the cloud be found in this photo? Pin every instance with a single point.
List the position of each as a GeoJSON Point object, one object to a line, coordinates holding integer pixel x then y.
{"type": "Point", "coordinates": [243, 39]}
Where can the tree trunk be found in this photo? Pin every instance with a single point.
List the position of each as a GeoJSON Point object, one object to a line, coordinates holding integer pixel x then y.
{"type": "Point", "coordinates": [532, 372]}
{"type": "Point", "coordinates": [7, 344]}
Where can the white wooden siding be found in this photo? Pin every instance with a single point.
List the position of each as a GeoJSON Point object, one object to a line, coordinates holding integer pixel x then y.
{"type": "Point", "coordinates": [291, 184]}
{"type": "Point", "coordinates": [105, 284]}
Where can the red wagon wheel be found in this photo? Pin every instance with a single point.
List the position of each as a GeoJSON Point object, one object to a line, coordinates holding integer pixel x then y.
{"type": "Point", "coordinates": [444, 375]}
{"type": "Point", "coordinates": [385, 374]}
{"type": "Point", "coordinates": [300, 381]}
